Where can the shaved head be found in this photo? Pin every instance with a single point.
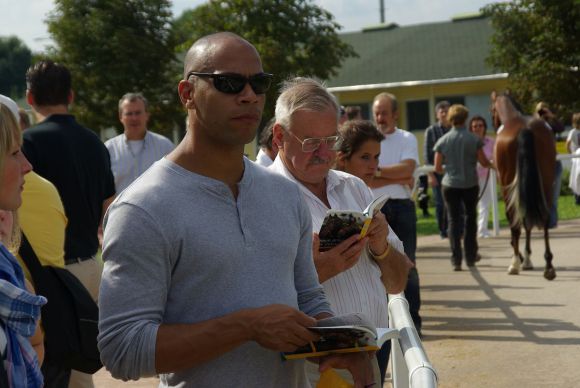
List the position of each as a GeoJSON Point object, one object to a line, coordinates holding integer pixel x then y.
{"type": "Point", "coordinates": [200, 56]}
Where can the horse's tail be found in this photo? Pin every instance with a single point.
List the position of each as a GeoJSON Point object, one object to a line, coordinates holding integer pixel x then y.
{"type": "Point", "coordinates": [526, 194]}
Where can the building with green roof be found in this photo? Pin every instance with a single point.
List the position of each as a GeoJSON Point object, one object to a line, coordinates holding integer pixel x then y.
{"type": "Point", "coordinates": [421, 65]}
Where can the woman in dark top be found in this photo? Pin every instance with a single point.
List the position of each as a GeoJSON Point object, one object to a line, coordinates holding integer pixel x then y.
{"type": "Point", "coordinates": [460, 150]}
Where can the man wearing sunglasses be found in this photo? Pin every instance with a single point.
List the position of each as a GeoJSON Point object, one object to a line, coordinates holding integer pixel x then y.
{"type": "Point", "coordinates": [356, 274]}
{"type": "Point", "coordinates": [201, 284]}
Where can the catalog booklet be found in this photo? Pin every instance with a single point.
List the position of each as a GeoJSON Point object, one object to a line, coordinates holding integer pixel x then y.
{"type": "Point", "coordinates": [338, 225]}
{"type": "Point", "coordinates": [334, 339]}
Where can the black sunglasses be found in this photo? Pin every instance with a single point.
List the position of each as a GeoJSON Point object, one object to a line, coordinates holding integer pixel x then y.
{"type": "Point", "coordinates": [235, 83]}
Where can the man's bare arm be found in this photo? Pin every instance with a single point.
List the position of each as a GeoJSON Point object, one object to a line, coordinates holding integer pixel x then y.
{"type": "Point", "coordinates": [276, 327]}
{"type": "Point", "coordinates": [403, 169]}
{"type": "Point", "coordinates": [394, 271]}
{"type": "Point", "coordinates": [380, 182]}
{"type": "Point", "coordinates": [393, 264]}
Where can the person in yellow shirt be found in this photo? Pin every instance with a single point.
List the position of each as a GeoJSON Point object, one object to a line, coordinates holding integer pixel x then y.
{"type": "Point", "coordinates": [43, 221]}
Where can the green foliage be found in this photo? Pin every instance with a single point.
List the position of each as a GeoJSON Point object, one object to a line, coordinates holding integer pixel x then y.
{"type": "Point", "coordinates": [15, 58]}
{"type": "Point", "coordinates": [538, 43]}
{"type": "Point", "coordinates": [293, 37]}
{"type": "Point", "coordinates": [113, 47]}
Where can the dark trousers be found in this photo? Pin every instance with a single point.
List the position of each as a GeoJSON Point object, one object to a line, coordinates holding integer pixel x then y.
{"type": "Point", "coordinates": [458, 201]}
{"type": "Point", "coordinates": [402, 218]}
{"type": "Point", "coordinates": [556, 195]}
{"type": "Point", "coordinates": [383, 359]}
{"type": "Point", "coordinates": [440, 212]}
{"type": "Point", "coordinates": [55, 376]}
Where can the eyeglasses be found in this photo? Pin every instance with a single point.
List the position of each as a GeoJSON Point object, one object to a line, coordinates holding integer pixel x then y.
{"type": "Point", "coordinates": [311, 144]}
{"type": "Point", "coordinates": [234, 83]}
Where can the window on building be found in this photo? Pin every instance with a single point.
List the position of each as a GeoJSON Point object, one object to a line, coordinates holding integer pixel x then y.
{"type": "Point", "coordinates": [417, 115]}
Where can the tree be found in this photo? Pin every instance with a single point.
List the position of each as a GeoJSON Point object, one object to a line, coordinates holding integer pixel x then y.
{"type": "Point", "coordinates": [538, 43]}
{"type": "Point", "coordinates": [113, 47]}
{"type": "Point", "coordinates": [15, 58]}
{"type": "Point", "coordinates": [293, 37]}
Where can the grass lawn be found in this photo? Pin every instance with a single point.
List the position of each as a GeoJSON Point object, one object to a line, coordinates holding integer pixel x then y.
{"type": "Point", "coordinates": [566, 210]}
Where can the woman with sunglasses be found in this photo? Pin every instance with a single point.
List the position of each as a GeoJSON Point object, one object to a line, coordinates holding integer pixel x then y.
{"type": "Point", "coordinates": [19, 308]}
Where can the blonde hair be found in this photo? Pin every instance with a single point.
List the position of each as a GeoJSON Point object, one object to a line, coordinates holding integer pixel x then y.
{"type": "Point", "coordinates": [457, 115]}
{"type": "Point", "coordinates": [10, 135]}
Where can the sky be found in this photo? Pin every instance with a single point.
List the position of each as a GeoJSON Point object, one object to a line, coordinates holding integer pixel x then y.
{"type": "Point", "coordinates": [25, 18]}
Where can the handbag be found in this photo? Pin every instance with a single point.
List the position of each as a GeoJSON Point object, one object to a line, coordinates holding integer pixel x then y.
{"type": "Point", "coordinates": [70, 317]}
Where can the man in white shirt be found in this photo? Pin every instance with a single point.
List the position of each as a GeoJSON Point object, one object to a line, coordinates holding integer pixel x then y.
{"type": "Point", "coordinates": [397, 161]}
{"type": "Point", "coordinates": [356, 274]}
{"type": "Point", "coordinates": [136, 149]}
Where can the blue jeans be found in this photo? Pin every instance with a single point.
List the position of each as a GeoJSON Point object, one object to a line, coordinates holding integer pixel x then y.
{"type": "Point", "coordinates": [402, 218]}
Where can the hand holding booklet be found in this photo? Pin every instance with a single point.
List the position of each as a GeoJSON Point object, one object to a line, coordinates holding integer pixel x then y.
{"type": "Point", "coordinates": [338, 225]}
{"type": "Point", "coordinates": [343, 334]}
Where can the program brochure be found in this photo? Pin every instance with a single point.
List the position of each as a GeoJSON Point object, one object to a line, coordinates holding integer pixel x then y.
{"type": "Point", "coordinates": [343, 334]}
{"type": "Point", "coordinates": [338, 225]}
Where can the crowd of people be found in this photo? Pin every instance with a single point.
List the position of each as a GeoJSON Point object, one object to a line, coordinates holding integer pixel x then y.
{"type": "Point", "coordinates": [210, 262]}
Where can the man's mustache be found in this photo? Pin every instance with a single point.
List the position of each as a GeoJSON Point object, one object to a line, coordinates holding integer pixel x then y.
{"type": "Point", "coordinates": [318, 160]}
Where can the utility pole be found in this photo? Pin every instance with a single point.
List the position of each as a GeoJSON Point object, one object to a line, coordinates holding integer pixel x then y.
{"type": "Point", "coordinates": [382, 2]}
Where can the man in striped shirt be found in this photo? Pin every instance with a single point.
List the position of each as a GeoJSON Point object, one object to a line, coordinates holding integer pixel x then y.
{"type": "Point", "coordinates": [356, 274]}
{"type": "Point", "coordinates": [136, 149]}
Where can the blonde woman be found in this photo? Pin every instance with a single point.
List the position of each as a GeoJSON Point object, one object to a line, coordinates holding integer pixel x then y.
{"type": "Point", "coordinates": [460, 150]}
{"type": "Point", "coordinates": [19, 309]}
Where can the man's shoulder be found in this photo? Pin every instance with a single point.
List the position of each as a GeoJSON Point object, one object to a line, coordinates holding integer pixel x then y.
{"type": "Point", "coordinates": [114, 141]}
{"type": "Point", "coordinates": [406, 136]}
{"type": "Point", "coordinates": [348, 179]}
{"type": "Point", "coordinates": [270, 177]}
{"type": "Point", "coordinates": [159, 137]}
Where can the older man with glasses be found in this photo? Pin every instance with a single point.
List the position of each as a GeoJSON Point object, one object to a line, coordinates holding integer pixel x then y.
{"type": "Point", "coordinates": [201, 284]}
{"type": "Point", "coordinates": [356, 274]}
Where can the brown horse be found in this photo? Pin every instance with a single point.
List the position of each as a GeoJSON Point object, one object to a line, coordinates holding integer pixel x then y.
{"type": "Point", "coordinates": [525, 156]}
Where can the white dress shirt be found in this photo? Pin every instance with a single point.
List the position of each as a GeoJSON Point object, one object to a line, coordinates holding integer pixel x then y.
{"type": "Point", "coordinates": [358, 289]}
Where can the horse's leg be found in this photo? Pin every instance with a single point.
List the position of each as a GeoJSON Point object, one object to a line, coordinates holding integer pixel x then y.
{"type": "Point", "coordinates": [516, 231]}
{"type": "Point", "coordinates": [514, 267]}
{"type": "Point", "coordinates": [549, 271]}
{"type": "Point", "coordinates": [527, 264]}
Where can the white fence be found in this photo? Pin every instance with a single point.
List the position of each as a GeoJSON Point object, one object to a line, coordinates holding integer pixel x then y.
{"type": "Point", "coordinates": [410, 366]}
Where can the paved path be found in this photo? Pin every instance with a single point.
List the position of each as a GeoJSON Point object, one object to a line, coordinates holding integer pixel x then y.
{"type": "Point", "coordinates": [484, 328]}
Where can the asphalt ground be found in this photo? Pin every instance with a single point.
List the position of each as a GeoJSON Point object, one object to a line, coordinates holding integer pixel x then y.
{"type": "Point", "coordinates": [484, 328]}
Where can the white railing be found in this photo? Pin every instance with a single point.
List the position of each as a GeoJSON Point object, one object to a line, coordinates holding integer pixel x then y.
{"type": "Point", "coordinates": [410, 365]}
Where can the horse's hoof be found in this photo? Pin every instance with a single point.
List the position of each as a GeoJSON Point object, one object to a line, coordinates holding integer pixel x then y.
{"type": "Point", "coordinates": [550, 273]}
{"type": "Point", "coordinates": [527, 266]}
{"type": "Point", "coordinates": [513, 270]}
